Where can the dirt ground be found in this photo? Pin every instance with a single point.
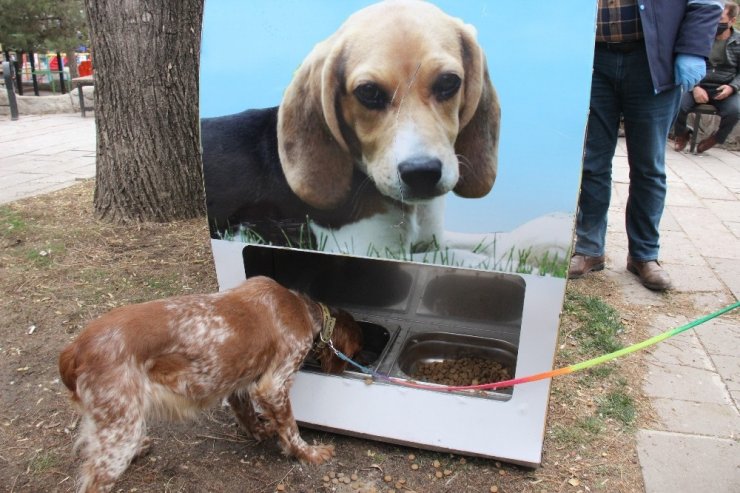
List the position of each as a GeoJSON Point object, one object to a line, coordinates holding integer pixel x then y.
{"type": "Point", "coordinates": [59, 267]}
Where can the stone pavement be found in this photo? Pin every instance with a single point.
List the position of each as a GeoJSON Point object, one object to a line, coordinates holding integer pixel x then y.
{"type": "Point", "coordinates": [694, 378]}
{"type": "Point", "coordinates": [41, 154]}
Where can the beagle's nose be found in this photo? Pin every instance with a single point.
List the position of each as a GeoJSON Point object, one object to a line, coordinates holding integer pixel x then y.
{"type": "Point", "coordinates": [421, 174]}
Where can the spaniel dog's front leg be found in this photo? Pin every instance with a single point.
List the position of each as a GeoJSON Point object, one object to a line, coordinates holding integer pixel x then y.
{"type": "Point", "coordinates": [257, 426]}
{"type": "Point", "coordinates": [272, 397]}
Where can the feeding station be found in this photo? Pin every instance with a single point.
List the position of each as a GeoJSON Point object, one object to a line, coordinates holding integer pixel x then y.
{"type": "Point", "coordinates": [477, 298]}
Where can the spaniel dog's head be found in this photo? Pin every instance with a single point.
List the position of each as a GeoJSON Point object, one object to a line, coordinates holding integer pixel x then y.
{"type": "Point", "coordinates": [346, 338]}
{"type": "Point", "coordinates": [402, 91]}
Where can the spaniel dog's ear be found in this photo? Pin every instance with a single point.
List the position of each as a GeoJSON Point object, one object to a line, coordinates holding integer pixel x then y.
{"type": "Point", "coordinates": [347, 338]}
{"type": "Point", "coordinates": [480, 115]}
{"type": "Point", "coordinates": [330, 363]}
{"type": "Point", "coordinates": [313, 153]}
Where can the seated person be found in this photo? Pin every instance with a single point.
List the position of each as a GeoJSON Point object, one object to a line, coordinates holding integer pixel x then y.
{"type": "Point", "coordinates": [719, 87]}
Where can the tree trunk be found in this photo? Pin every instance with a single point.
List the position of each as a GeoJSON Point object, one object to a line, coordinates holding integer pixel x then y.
{"type": "Point", "coordinates": [146, 108]}
{"type": "Point", "coordinates": [72, 62]}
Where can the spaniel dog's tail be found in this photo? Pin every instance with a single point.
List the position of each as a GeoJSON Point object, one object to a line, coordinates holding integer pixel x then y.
{"type": "Point", "coordinates": [68, 369]}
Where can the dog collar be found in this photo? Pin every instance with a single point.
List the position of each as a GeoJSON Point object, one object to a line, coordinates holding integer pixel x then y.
{"type": "Point", "coordinates": [327, 326]}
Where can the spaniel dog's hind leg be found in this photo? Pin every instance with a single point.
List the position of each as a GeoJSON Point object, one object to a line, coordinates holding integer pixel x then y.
{"type": "Point", "coordinates": [114, 438]}
{"type": "Point", "coordinates": [271, 394]}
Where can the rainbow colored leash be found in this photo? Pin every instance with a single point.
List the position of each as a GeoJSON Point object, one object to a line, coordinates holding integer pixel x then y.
{"type": "Point", "coordinates": [548, 374]}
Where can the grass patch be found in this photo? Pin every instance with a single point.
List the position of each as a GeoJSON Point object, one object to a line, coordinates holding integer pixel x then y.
{"type": "Point", "coordinates": [164, 286]}
{"type": "Point", "coordinates": [618, 406]}
{"type": "Point", "coordinates": [592, 376]}
{"type": "Point", "coordinates": [43, 462]}
{"type": "Point", "coordinates": [44, 257]}
{"type": "Point", "coordinates": [599, 324]}
{"type": "Point", "coordinates": [590, 424]}
{"type": "Point", "coordinates": [580, 432]}
{"type": "Point", "coordinates": [591, 328]}
{"type": "Point", "coordinates": [11, 223]}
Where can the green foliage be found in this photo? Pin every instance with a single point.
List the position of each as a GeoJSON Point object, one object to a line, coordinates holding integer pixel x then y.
{"type": "Point", "coordinates": [43, 462]}
{"type": "Point", "coordinates": [42, 24]}
{"type": "Point", "coordinates": [599, 324]}
{"type": "Point", "coordinates": [11, 223]}
{"type": "Point", "coordinates": [619, 406]}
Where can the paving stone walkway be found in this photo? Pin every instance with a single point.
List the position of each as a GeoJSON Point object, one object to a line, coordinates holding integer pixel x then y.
{"type": "Point", "coordinates": [40, 154]}
{"type": "Point", "coordinates": [693, 379]}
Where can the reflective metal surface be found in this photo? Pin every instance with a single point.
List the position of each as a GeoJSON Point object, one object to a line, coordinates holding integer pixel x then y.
{"type": "Point", "coordinates": [409, 312]}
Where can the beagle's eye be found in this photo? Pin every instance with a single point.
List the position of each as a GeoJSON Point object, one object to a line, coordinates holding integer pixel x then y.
{"type": "Point", "coordinates": [446, 86]}
{"type": "Point", "coordinates": [371, 96]}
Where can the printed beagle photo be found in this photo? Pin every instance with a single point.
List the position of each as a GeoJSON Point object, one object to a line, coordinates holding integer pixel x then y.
{"type": "Point", "coordinates": [383, 121]}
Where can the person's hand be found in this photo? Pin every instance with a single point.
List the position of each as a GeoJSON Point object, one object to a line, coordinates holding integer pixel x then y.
{"type": "Point", "coordinates": [689, 70]}
{"type": "Point", "coordinates": [723, 92]}
{"type": "Point", "coordinates": [700, 95]}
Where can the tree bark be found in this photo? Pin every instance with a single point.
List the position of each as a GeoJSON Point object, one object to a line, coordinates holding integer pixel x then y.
{"type": "Point", "coordinates": [146, 109]}
{"type": "Point", "coordinates": [72, 62]}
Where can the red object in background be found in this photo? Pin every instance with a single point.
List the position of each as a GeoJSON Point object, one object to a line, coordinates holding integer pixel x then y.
{"type": "Point", "coordinates": [54, 65]}
{"type": "Point", "coordinates": [84, 68]}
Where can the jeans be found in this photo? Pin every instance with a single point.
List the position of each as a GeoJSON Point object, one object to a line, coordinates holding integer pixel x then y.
{"type": "Point", "coordinates": [729, 113]}
{"type": "Point", "coordinates": [621, 86]}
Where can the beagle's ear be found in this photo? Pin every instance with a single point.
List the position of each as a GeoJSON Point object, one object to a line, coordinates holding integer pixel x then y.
{"type": "Point", "coordinates": [313, 154]}
{"type": "Point", "coordinates": [480, 117]}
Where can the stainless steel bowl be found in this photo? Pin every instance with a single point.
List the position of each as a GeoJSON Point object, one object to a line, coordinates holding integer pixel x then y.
{"type": "Point", "coordinates": [430, 347]}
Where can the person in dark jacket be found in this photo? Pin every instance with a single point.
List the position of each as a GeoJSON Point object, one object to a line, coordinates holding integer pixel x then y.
{"type": "Point", "coordinates": [646, 51]}
{"type": "Point", "coordinates": [719, 87]}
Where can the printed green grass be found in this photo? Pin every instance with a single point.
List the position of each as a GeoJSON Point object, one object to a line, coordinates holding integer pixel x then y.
{"type": "Point", "coordinates": [518, 260]}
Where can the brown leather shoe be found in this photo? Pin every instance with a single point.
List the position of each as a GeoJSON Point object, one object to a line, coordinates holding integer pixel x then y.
{"type": "Point", "coordinates": [651, 274]}
{"type": "Point", "coordinates": [680, 141]}
{"type": "Point", "coordinates": [706, 144]}
{"type": "Point", "coordinates": [580, 265]}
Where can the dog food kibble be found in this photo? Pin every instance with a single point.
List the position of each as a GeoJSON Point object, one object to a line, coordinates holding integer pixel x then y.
{"type": "Point", "coordinates": [412, 457]}
{"type": "Point", "coordinates": [414, 466]}
{"type": "Point", "coordinates": [438, 474]}
{"type": "Point", "coordinates": [387, 478]}
{"type": "Point", "coordinates": [463, 371]}
{"type": "Point", "coordinates": [436, 464]}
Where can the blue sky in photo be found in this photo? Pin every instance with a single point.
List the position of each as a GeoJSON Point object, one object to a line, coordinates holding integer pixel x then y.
{"type": "Point", "coordinates": [539, 58]}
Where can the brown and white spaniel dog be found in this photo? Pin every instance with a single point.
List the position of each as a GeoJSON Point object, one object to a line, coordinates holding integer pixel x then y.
{"type": "Point", "coordinates": [171, 358]}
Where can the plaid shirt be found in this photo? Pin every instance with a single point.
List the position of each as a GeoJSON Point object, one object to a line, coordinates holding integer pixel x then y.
{"type": "Point", "coordinates": [618, 21]}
